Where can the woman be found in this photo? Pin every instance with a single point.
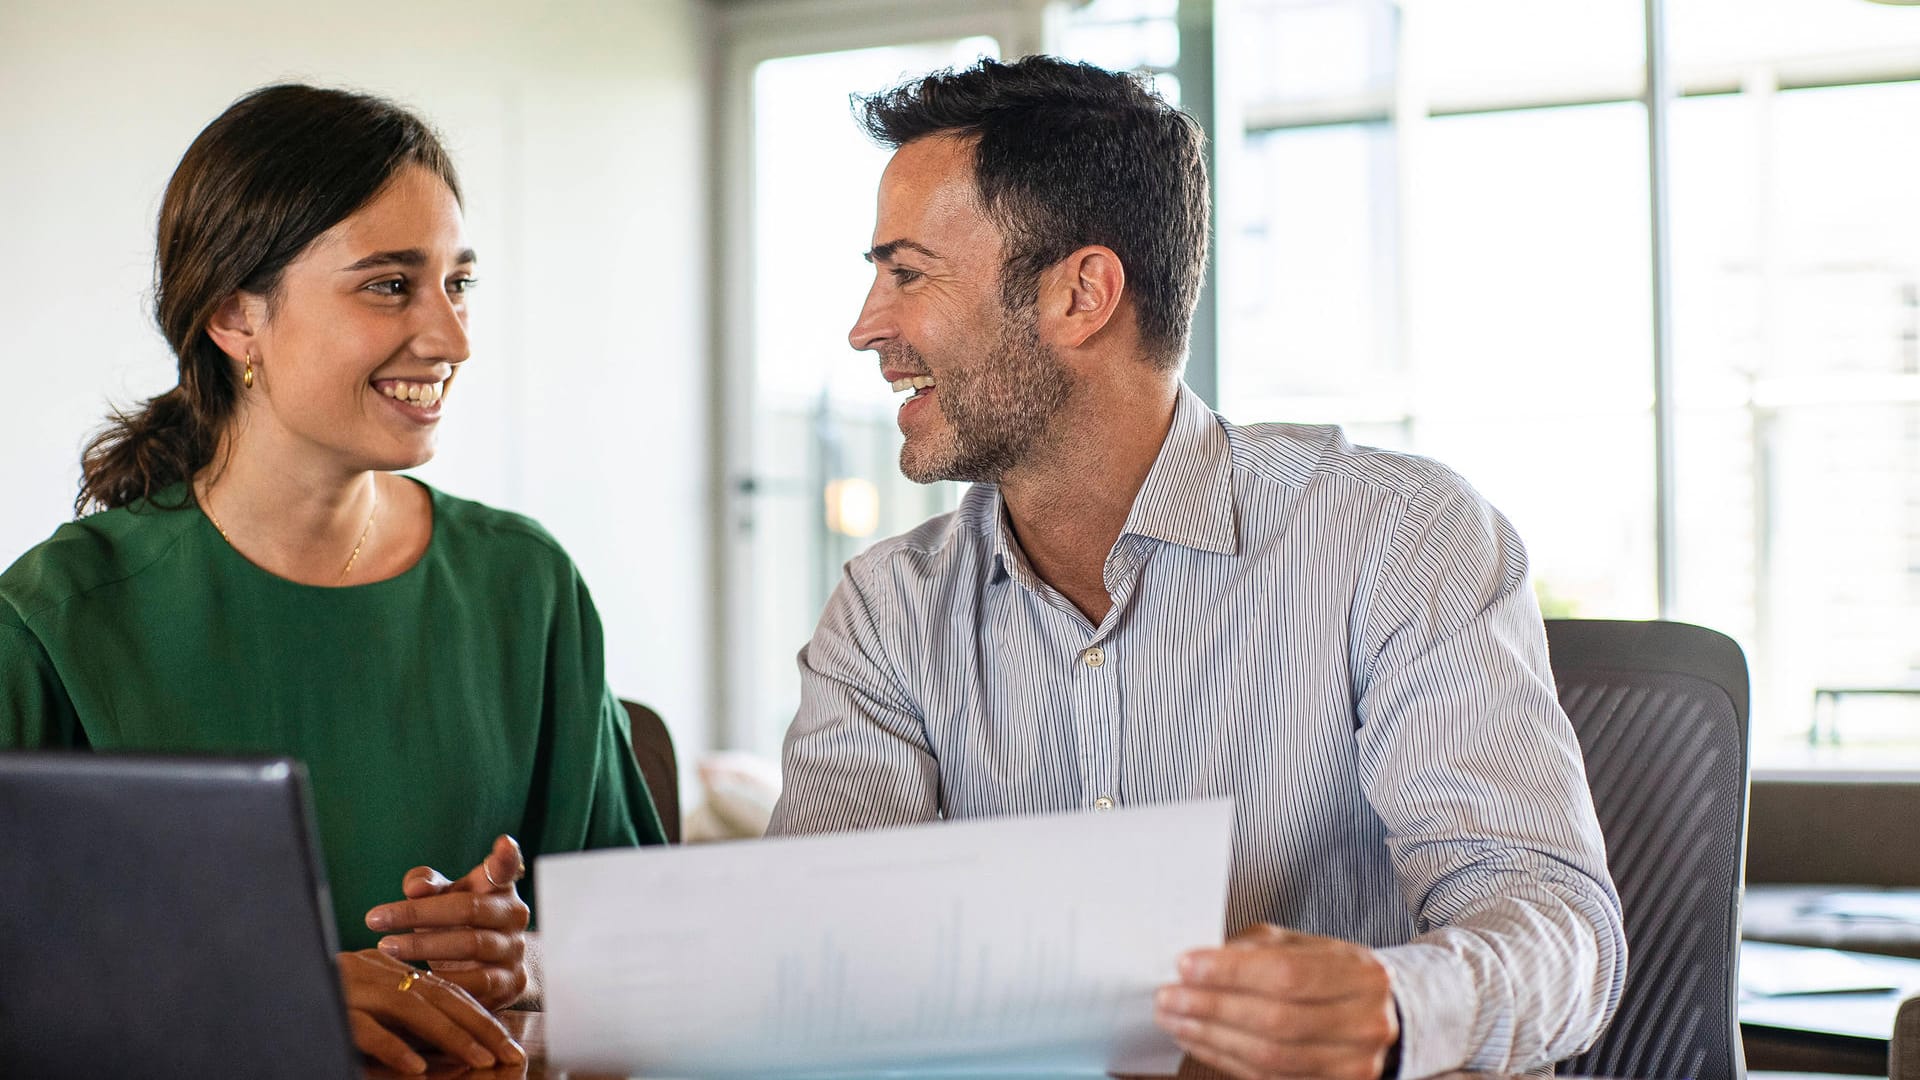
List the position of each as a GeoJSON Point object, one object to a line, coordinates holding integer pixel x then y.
{"type": "Point", "coordinates": [262, 582]}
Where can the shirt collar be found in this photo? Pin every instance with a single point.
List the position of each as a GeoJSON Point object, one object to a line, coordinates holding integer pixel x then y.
{"type": "Point", "coordinates": [1188, 495]}
{"type": "Point", "coordinates": [1187, 498]}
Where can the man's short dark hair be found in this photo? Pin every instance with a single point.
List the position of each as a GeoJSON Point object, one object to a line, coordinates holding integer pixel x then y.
{"type": "Point", "coordinates": [1068, 155]}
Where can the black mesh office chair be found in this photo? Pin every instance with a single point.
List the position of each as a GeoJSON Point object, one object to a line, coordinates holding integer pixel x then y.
{"type": "Point", "coordinates": [1660, 710]}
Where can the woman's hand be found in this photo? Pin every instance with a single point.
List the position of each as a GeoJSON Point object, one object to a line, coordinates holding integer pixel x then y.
{"type": "Point", "coordinates": [386, 997]}
{"type": "Point", "coordinates": [472, 931]}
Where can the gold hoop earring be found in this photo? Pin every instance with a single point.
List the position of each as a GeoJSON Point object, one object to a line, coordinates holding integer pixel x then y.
{"type": "Point", "coordinates": [246, 377]}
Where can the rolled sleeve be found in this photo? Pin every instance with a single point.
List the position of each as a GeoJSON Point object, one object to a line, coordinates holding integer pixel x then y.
{"type": "Point", "coordinates": [1519, 953]}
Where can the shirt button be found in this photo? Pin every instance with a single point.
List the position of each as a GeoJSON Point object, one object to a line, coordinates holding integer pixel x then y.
{"type": "Point", "coordinates": [1104, 802]}
{"type": "Point", "coordinates": [1094, 658]}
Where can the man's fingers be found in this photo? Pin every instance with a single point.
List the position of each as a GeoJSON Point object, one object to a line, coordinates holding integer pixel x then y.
{"type": "Point", "coordinates": [1243, 1054]}
{"type": "Point", "coordinates": [497, 911]}
{"type": "Point", "coordinates": [1313, 969]}
{"type": "Point", "coordinates": [382, 1045]}
{"type": "Point", "coordinates": [1342, 1023]}
{"type": "Point", "coordinates": [1269, 934]}
{"type": "Point", "coordinates": [1275, 971]}
{"type": "Point", "coordinates": [486, 946]}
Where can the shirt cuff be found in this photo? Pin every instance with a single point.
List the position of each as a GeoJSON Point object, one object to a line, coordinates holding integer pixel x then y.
{"type": "Point", "coordinates": [1437, 999]}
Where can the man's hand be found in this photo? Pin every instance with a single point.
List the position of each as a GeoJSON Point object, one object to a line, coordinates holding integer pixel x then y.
{"type": "Point", "coordinates": [386, 998]}
{"type": "Point", "coordinates": [471, 931]}
{"type": "Point", "coordinates": [1275, 1002]}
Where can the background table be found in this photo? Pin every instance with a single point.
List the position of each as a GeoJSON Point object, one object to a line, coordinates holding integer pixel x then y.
{"type": "Point", "coordinates": [1830, 1032]}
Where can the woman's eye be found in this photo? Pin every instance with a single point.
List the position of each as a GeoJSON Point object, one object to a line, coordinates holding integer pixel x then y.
{"type": "Point", "coordinates": [460, 286]}
{"type": "Point", "coordinates": [390, 287]}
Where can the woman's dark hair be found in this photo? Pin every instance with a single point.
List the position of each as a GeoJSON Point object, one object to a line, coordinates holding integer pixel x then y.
{"type": "Point", "coordinates": [1068, 155]}
{"type": "Point", "coordinates": [280, 167]}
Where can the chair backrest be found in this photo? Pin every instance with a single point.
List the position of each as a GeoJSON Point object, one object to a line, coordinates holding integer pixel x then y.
{"type": "Point", "coordinates": [1903, 1054]}
{"type": "Point", "coordinates": [1660, 710]}
{"type": "Point", "coordinates": [653, 752]}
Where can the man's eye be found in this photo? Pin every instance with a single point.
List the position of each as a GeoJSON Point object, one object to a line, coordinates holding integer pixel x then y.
{"type": "Point", "coordinates": [904, 276]}
{"type": "Point", "coordinates": [463, 285]}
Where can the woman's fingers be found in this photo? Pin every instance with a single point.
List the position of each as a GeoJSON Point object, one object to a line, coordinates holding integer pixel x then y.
{"type": "Point", "coordinates": [422, 881]}
{"type": "Point", "coordinates": [496, 911]}
{"type": "Point", "coordinates": [382, 1045]}
{"type": "Point", "coordinates": [494, 987]}
{"type": "Point", "coordinates": [383, 993]}
{"type": "Point", "coordinates": [485, 946]}
{"type": "Point", "coordinates": [484, 1040]}
{"type": "Point", "coordinates": [500, 869]}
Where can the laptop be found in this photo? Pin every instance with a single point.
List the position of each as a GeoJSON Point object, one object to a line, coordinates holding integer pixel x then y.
{"type": "Point", "coordinates": [165, 917]}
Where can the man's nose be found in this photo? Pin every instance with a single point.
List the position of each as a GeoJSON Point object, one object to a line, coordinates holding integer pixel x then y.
{"type": "Point", "coordinates": [873, 327]}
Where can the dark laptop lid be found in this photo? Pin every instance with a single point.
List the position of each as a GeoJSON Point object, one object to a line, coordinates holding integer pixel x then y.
{"type": "Point", "coordinates": [164, 917]}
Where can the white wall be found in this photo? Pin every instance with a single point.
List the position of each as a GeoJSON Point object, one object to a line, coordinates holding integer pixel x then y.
{"type": "Point", "coordinates": [580, 130]}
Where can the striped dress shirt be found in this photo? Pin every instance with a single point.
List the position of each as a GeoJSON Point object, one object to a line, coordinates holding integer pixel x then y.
{"type": "Point", "coordinates": [1341, 639]}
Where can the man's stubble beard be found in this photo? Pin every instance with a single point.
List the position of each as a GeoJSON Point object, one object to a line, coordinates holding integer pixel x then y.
{"type": "Point", "coordinates": [997, 413]}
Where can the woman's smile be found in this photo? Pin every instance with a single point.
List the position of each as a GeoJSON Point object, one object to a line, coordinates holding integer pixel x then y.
{"type": "Point", "coordinates": [418, 400]}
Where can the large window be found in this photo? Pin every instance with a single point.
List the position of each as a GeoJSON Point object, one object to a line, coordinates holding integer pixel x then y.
{"type": "Point", "coordinates": [1440, 236]}
{"type": "Point", "coordinates": [1419, 258]}
{"type": "Point", "coordinates": [1797, 313]}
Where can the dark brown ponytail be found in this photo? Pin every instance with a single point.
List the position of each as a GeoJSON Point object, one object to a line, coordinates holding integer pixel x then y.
{"type": "Point", "coordinates": [280, 167]}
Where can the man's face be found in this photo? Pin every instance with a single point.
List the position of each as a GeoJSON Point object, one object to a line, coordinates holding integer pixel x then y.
{"type": "Point", "coordinates": [984, 388]}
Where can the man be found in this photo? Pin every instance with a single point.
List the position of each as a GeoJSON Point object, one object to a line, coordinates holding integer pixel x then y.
{"type": "Point", "coordinates": [1138, 602]}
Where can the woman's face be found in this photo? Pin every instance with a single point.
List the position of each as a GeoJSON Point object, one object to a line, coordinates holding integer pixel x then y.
{"type": "Point", "coordinates": [355, 351]}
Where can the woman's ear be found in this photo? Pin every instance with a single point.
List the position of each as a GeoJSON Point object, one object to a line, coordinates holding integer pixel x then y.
{"type": "Point", "coordinates": [235, 325]}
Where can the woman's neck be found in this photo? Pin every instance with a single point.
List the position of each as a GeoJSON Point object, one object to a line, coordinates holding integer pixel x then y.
{"type": "Point", "coordinates": [296, 519]}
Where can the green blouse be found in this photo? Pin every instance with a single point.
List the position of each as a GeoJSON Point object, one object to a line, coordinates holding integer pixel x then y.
{"type": "Point", "coordinates": [462, 699]}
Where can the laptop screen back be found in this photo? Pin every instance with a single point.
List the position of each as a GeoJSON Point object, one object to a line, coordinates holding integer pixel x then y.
{"type": "Point", "coordinates": [164, 917]}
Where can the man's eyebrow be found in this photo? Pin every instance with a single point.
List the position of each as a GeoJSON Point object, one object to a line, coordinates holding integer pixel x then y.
{"type": "Point", "coordinates": [407, 257]}
{"type": "Point", "coordinates": [884, 252]}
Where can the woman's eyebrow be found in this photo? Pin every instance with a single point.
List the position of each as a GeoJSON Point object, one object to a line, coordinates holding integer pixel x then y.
{"type": "Point", "coordinates": [407, 257]}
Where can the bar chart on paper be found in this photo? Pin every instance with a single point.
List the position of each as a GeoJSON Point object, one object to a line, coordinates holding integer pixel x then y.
{"type": "Point", "coordinates": [1010, 945]}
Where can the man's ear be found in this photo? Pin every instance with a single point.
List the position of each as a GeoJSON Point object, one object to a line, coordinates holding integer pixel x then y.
{"type": "Point", "coordinates": [236, 324]}
{"type": "Point", "coordinates": [1080, 294]}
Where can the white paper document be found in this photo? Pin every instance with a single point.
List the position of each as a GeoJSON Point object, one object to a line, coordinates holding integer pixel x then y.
{"type": "Point", "coordinates": [1009, 946]}
{"type": "Point", "coordinates": [1770, 970]}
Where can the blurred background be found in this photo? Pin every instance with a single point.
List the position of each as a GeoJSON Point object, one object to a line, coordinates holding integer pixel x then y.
{"type": "Point", "coordinates": [1646, 273]}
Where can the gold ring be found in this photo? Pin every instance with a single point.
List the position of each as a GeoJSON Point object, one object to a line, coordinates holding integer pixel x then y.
{"type": "Point", "coordinates": [519, 872]}
{"type": "Point", "coordinates": [412, 976]}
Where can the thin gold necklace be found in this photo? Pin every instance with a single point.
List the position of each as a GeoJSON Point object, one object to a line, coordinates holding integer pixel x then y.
{"type": "Point", "coordinates": [207, 508]}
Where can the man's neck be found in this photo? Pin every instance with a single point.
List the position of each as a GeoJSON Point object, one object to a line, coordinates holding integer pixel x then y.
{"type": "Point", "coordinates": [1068, 508]}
